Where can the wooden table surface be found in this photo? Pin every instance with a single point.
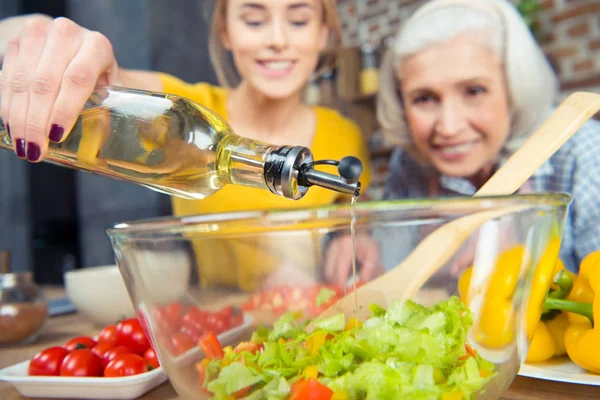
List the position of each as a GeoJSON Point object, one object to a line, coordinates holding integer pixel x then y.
{"type": "Point", "coordinates": [62, 328]}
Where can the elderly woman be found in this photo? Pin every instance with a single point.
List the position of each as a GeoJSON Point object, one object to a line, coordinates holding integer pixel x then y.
{"type": "Point", "coordinates": [464, 85]}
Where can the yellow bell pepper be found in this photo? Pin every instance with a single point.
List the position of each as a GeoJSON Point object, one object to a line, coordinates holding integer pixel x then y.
{"type": "Point", "coordinates": [548, 340]}
{"type": "Point", "coordinates": [582, 337]}
{"type": "Point", "coordinates": [495, 327]}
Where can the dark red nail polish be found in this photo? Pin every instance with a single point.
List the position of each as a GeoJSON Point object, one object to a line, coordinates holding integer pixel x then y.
{"type": "Point", "coordinates": [56, 133]}
{"type": "Point", "coordinates": [20, 146]}
{"type": "Point", "coordinates": [33, 152]}
{"type": "Point", "coordinates": [8, 131]}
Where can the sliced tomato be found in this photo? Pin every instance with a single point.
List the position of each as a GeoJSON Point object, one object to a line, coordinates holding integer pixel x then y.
{"type": "Point", "coordinates": [210, 345]}
{"type": "Point", "coordinates": [310, 389]}
{"type": "Point", "coordinates": [251, 347]}
{"type": "Point", "coordinates": [242, 392]}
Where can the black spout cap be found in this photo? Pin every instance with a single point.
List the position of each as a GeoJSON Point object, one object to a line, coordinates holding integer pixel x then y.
{"type": "Point", "coordinates": [350, 168]}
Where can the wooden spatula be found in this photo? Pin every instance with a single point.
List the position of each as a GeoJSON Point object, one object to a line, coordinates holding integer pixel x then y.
{"type": "Point", "coordinates": [405, 280]}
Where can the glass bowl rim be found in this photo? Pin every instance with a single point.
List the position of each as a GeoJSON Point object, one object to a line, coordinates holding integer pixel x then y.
{"type": "Point", "coordinates": [165, 225]}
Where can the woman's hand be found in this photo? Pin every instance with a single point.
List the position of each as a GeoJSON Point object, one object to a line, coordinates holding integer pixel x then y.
{"type": "Point", "coordinates": [338, 259]}
{"type": "Point", "coordinates": [49, 71]}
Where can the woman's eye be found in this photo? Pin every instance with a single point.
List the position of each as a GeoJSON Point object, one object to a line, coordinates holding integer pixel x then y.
{"type": "Point", "coordinates": [300, 23]}
{"type": "Point", "coordinates": [253, 23]}
{"type": "Point", "coordinates": [422, 99]}
{"type": "Point", "coordinates": [475, 90]}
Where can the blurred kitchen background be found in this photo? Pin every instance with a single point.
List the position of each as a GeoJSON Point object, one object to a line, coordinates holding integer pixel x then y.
{"type": "Point", "coordinates": [52, 219]}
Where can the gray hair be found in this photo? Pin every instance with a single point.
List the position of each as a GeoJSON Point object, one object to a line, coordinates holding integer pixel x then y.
{"type": "Point", "coordinates": [531, 82]}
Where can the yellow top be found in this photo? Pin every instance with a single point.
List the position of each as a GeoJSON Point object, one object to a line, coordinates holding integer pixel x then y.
{"type": "Point", "coordinates": [334, 138]}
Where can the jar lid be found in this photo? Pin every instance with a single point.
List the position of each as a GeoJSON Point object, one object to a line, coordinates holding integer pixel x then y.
{"type": "Point", "coordinates": [15, 279]}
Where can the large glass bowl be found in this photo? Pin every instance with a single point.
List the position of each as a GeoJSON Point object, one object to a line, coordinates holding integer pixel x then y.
{"type": "Point", "coordinates": [232, 272]}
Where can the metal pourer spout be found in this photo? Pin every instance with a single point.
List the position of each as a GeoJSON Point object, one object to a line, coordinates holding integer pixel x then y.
{"type": "Point", "coordinates": [350, 168]}
{"type": "Point", "coordinates": [290, 170]}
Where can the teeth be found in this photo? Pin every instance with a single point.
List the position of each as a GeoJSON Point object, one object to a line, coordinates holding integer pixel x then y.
{"type": "Point", "coordinates": [458, 149]}
{"type": "Point", "coordinates": [277, 65]}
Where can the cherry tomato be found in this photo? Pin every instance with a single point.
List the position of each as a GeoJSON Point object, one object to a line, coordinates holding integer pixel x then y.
{"type": "Point", "coordinates": [80, 342]}
{"type": "Point", "coordinates": [101, 349]}
{"type": "Point", "coordinates": [113, 352]}
{"type": "Point", "coordinates": [180, 343]}
{"type": "Point", "coordinates": [126, 365]}
{"type": "Point", "coordinates": [151, 358]}
{"type": "Point", "coordinates": [108, 335]}
{"type": "Point", "coordinates": [131, 334]}
{"type": "Point", "coordinates": [81, 362]}
{"type": "Point", "coordinates": [217, 323]}
{"type": "Point", "coordinates": [48, 361]}
{"type": "Point", "coordinates": [195, 318]}
{"type": "Point", "coordinates": [194, 333]}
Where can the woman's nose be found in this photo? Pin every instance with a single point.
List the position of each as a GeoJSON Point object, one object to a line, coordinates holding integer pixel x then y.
{"type": "Point", "coordinates": [452, 118]}
{"type": "Point", "coordinates": [278, 35]}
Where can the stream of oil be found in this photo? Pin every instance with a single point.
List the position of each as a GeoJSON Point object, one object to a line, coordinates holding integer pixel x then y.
{"type": "Point", "coordinates": [352, 238]}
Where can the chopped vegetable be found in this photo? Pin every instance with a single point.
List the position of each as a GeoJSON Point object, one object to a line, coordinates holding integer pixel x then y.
{"type": "Point", "coordinates": [406, 351]}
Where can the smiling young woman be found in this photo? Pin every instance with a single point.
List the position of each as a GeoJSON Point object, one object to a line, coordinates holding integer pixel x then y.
{"type": "Point", "coordinates": [52, 67]}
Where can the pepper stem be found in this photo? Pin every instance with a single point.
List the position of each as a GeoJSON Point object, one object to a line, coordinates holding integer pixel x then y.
{"type": "Point", "coordinates": [564, 283]}
{"type": "Point", "coordinates": [570, 306]}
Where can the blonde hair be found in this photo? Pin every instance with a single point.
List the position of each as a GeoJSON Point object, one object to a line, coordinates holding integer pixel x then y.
{"type": "Point", "coordinates": [223, 64]}
{"type": "Point", "coordinates": [531, 83]}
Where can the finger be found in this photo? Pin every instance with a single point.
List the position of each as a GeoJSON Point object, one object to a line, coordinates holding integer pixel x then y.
{"type": "Point", "coordinates": [31, 44]}
{"type": "Point", "coordinates": [94, 60]}
{"type": "Point", "coordinates": [370, 260]}
{"type": "Point", "coordinates": [330, 257]}
{"type": "Point", "coordinates": [64, 40]}
{"type": "Point", "coordinates": [343, 263]}
{"type": "Point", "coordinates": [9, 63]}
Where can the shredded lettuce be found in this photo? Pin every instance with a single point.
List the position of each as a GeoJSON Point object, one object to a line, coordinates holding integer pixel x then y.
{"type": "Point", "coordinates": [407, 351]}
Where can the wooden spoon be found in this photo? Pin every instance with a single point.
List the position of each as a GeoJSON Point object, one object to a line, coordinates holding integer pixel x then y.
{"type": "Point", "coordinates": [405, 280]}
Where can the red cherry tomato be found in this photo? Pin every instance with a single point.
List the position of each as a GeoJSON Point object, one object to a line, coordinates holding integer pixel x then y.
{"type": "Point", "coordinates": [108, 335]}
{"type": "Point", "coordinates": [80, 342]}
{"type": "Point", "coordinates": [126, 365]}
{"type": "Point", "coordinates": [81, 362]}
{"type": "Point", "coordinates": [113, 352]}
{"type": "Point", "coordinates": [180, 343]}
{"type": "Point", "coordinates": [47, 362]}
{"type": "Point", "coordinates": [151, 358]}
{"type": "Point", "coordinates": [101, 349]}
{"type": "Point", "coordinates": [195, 318]}
{"type": "Point", "coordinates": [131, 334]}
{"type": "Point", "coordinates": [217, 323]}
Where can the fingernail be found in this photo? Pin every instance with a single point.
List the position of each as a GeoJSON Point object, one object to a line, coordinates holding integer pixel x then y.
{"type": "Point", "coordinates": [56, 133]}
{"type": "Point", "coordinates": [8, 131]}
{"type": "Point", "coordinates": [20, 146]}
{"type": "Point", "coordinates": [33, 151]}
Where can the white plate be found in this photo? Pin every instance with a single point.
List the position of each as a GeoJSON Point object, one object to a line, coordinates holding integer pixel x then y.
{"type": "Point", "coordinates": [125, 388]}
{"type": "Point", "coordinates": [560, 370]}
{"type": "Point", "coordinates": [64, 387]}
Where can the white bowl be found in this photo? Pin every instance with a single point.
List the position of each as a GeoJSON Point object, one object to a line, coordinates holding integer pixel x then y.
{"type": "Point", "coordinates": [99, 293]}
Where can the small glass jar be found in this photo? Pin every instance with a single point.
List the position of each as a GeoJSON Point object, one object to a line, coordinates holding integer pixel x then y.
{"type": "Point", "coordinates": [23, 309]}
